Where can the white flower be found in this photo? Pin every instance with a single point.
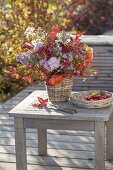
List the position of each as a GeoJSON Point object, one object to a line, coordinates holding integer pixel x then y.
{"type": "Point", "coordinates": [91, 49]}
{"type": "Point", "coordinates": [64, 55]}
{"type": "Point", "coordinates": [63, 37]}
{"type": "Point", "coordinates": [33, 42]}
{"type": "Point", "coordinates": [29, 31]}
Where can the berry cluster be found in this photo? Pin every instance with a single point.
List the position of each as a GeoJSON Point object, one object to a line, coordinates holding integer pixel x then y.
{"type": "Point", "coordinates": [100, 96]}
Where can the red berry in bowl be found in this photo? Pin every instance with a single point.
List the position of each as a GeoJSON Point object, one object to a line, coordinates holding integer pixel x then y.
{"type": "Point", "coordinates": [100, 96]}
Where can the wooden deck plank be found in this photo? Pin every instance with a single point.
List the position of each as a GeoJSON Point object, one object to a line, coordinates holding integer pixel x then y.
{"type": "Point", "coordinates": [61, 153]}
{"type": "Point", "coordinates": [54, 161]}
{"type": "Point", "coordinates": [12, 166]}
{"type": "Point", "coordinates": [8, 144]}
{"type": "Point", "coordinates": [53, 137]}
{"type": "Point", "coordinates": [60, 132]}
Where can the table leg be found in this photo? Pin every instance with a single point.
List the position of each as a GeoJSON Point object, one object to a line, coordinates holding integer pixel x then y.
{"type": "Point", "coordinates": [109, 139]}
{"type": "Point", "coordinates": [99, 146]}
{"type": "Point", "coordinates": [20, 144]}
{"type": "Point", "coordinates": [42, 142]}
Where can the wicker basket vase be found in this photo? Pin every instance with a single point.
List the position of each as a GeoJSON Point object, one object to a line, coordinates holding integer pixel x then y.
{"type": "Point", "coordinates": [61, 91]}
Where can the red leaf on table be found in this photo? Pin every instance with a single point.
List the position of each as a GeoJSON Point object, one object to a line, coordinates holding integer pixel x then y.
{"type": "Point", "coordinates": [43, 102]}
{"type": "Point", "coordinates": [35, 104]}
{"type": "Point", "coordinates": [41, 105]}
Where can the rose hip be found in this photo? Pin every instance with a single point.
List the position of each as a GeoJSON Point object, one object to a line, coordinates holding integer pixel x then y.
{"type": "Point", "coordinates": [100, 96]}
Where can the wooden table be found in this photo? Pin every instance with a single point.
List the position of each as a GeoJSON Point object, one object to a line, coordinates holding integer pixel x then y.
{"type": "Point", "coordinates": [26, 116]}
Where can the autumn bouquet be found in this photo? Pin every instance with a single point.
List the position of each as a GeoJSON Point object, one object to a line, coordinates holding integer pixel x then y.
{"type": "Point", "coordinates": [54, 56]}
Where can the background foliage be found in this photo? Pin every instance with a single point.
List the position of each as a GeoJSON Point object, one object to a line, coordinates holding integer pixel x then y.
{"type": "Point", "coordinates": [93, 16]}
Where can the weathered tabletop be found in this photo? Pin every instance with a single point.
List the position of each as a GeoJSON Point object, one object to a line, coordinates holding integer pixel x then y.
{"type": "Point", "coordinates": [25, 109]}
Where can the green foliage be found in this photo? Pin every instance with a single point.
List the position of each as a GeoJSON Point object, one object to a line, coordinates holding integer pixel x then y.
{"type": "Point", "coordinates": [15, 16]}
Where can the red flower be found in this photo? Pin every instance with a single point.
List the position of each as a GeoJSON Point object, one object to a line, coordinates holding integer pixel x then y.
{"type": "Point", "coordinates": [55, 80]}
{"type": "Point", "coordinates": [55, 29]}
{"type": "Point", "coordinates": [77, 73]}
{"type": "Point", "coordinates": [65, 48]}
{"type": "Point", "coordinates": [47, 51]}
{"type": "Point", "coordinates": [53, 33]}
{"type": "Point", "coordinates": [89, 57]}
{"type": "Point", "coordinates": [27, 45]}
{"type": "Point", "coordinates": [66, 62]}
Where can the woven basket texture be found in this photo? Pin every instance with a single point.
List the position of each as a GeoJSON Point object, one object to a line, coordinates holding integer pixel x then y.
{"type": "Point", "coordinates": [61, 91]}
{"type": "Point", "coordinates": [79, 100]}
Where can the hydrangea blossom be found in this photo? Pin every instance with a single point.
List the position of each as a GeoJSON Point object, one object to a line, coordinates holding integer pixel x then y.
{"type": "Point", "coordinates": [44, 63]}
{"type": "Point", "coordinates": [38, 46]}
{"type": "Point", "coordinates": [22, 58]}
{"type": "Point", "coordinates": [53, 63]}
{"type": "Point", "coordinates": [26, 58]}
